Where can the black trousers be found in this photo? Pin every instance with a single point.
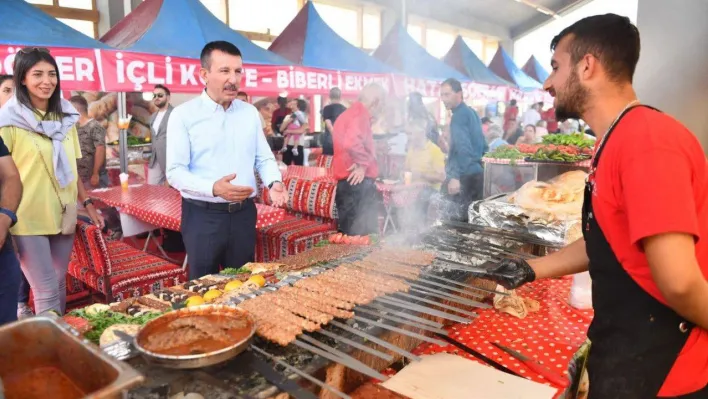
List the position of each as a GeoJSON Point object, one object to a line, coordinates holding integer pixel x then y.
{"type": "Point", "coordinates": [471, 189]}
{"type": "Point", "coordinates": [217, 237]}
{"type": "Point", "coordinates": [23, 295]}
{"type": "Point", "coordinates": [9, 282]}
{"type": "Point", "coordinates": [357, 207]}
{"type": "Point", "coordinates": [290, 158]}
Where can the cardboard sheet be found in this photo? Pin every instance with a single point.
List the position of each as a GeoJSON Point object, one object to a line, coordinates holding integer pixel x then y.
{"type": "Point", "coordinates": [446, 376]}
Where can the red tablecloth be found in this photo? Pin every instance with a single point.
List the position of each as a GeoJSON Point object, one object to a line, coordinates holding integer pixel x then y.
{"type": "Point", "coordinates": [162, 206]}
{"type": "Point", "coordinates": [551, 336]}
{"type": "Point", "coordinates": [399, 195]}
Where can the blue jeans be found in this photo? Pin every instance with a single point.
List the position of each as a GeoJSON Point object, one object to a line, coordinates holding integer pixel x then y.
{"type": "Point", "coordinates": [10, 275]}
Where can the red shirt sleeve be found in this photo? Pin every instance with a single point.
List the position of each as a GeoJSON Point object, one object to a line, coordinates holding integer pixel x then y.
{"type": "Point", "coordinates": [658, 191]}
{"type": "Point", "coordinates": [354, 141]}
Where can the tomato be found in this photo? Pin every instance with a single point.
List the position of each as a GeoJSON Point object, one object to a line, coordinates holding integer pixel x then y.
{"type": "Point", "coordinates": [365, 240]}
{"type": "Point", "coordinates": [346, 240]}
{"type": "Point", "coordinates": [337, 239]}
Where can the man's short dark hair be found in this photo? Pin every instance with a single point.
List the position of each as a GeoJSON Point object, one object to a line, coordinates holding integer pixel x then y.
{"type": "Point", "coordinates": [221, 45]}
{"type": "Point", "coordinates": [454, 84]}
{"type": "Point", "coordinates": [241, 94]}
{"type": "Point", "coordinates": [486, 120]}
{"type": "Point", "coordinates": [165, 89]}
{"type": "Point", "coordinates": [610, 38]}
{"type": "Point", "coordinates": [335, 93]}
{"type": "Point", "coordinates": [80, 104]}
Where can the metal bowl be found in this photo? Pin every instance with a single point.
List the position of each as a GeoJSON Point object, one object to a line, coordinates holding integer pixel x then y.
{"type": "Point", "coordinates": [46, 341]}
{"type": "Point", "coordinates": [202, 359]}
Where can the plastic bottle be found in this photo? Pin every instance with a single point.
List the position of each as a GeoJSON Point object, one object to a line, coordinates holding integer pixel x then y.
{"type": "Point", "coordinates": [581, 291]}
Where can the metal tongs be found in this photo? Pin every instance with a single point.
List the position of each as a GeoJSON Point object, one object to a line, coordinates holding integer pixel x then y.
{"type": "Point", "coordinates": [121, 349]}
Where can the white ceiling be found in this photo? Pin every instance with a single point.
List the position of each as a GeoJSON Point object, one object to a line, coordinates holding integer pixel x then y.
{"type": "Point", "coordinates": [504, 19]}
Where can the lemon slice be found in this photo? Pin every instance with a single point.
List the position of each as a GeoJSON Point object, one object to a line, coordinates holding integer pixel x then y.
{"type": "Point", "coordinates": [211, 295]}
{"type": "Point", "coordinates": [194, 301]}
{"type": "Point", "coordinates": [233, 285]}
{"type": "Point", "coordinates": [258, 279]}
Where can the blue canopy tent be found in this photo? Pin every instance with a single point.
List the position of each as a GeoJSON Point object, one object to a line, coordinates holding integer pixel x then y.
{"type": "Point", "coordinates": [534, 69]}
{"type": "Point", "coordinates": [23, 24]}
{"type": "Point", "coordinates": [504, 66]}
{"type": "Point", "coordinates": [464, 60]}
{"type": "Point", "coordinates": [309, 41]}
{"type": "Point", "coordinates": [401, 51]}
{"type": "Point", "coordinates": [180, 29]}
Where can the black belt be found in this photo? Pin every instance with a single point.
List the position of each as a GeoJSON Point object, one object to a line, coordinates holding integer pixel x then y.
{"type": "Point", "coordinates": [228, 207]}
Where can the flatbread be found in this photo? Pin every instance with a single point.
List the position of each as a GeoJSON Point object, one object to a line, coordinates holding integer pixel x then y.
{"type": "Point", "coordinates": [109, 336]}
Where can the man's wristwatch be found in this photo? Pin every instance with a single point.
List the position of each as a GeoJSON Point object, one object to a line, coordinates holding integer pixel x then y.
{"type": "Point", "coordinates": [270, 186]}
{"type": "Point", "coordinates": [10, 214]}
{"type": "Point", "coordinates": [88, 202]}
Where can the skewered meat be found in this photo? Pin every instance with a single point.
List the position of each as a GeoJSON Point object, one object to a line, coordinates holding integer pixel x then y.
{"type": "Point", "coordinates": [316, 300]}
{"type": "Point", "coordinates": [298, 309]}
{"type": "Point", "coordinates": [320, 305]}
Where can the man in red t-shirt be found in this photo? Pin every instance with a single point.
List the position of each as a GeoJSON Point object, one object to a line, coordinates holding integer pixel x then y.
{"type": "Point", "coordinates": [354, 163]}
{"type": "Point", "coordinates": [550, 117]}
{"type": "Point", "coordinates": [645, 223]}
{"type": "Point", "coordinates": [511, 115]}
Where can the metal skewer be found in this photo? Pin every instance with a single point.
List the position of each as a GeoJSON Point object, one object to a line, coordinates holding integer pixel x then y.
{"type": "Point", "coordinates": [471, 268]}
{"type": "Point", "coordinates": [300, 373]}
{"type": "Point", "coordinates": [466, 251]}
{"type": "Point", "coordinates": [402, 321]}
{"type": "Point", "coordinates": [401, 313]}
{"type": "Point", "coordinates": [448, 307]}
{"type": "Point", "coordinates": [400, 331]}
{"type": "Point", "coordinates": [357, 345]}
{"type": "Point", "coordinates": [345, 361]}
{"type": "Point", "coordinates": [422, 309]}
{"type": "Point", "coordinates": [376, 340]}
{"type": "Point", "coordinates": [459, 284]}
{"type": "Point", "coordinates": [451, 298]}
{"type": "Point", "coordinates": [454, 289]}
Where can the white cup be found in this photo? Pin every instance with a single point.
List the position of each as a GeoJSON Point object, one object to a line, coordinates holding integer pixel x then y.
{"type": "Point", "coordinates": [123, 180]}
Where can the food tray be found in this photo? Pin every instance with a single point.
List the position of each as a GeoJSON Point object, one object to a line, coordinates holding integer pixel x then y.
{"type": "Point", "coordinates": [531, 160]}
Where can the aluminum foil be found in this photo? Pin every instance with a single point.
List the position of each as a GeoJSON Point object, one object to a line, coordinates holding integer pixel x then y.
{"type": "Point", "coordinates": [498, 212]}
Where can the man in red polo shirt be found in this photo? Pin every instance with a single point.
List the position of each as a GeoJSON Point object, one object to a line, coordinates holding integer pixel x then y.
{"type": "Point", "coordinates": [645, 223]}
{"type": "Point", "coordinates": [355, 165]}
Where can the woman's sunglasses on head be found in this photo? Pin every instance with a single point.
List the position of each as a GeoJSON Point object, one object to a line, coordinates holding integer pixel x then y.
{"type": "Point", "coordinates": [29, 50]}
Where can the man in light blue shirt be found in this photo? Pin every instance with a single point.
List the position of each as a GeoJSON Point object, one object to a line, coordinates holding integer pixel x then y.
{"type": "Point", "coordinates": [213, 145]}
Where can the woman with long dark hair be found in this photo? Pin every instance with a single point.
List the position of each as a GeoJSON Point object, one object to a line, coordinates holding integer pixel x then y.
{"type": "Point", "coordinates": [38, 127]}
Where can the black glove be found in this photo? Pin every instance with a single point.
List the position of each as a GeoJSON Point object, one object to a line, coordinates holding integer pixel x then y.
{"type": "Point", "coordinates": [512, 273]}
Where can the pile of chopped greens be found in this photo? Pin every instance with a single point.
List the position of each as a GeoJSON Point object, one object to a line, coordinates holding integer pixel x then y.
{"type": "Point", "coordinates": [506, 152]}
{"type": "Point", "coordinates": [576, 139]}
{"type": "Point", "coordinates": [544, 154]}
{"type": "Point", "coordinates": [230, 271]}
{"type": "Point", "coordinates": [102, 320]}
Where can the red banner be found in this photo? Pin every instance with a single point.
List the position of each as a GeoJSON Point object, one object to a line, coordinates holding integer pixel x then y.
{"type": "Point", "coordinates": [78, 69]}
{"type": "Point", "coordinates": [124, 71]}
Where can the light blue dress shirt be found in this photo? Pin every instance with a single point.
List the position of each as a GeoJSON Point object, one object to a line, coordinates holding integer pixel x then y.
{"type": "Point", "coordinates": [206, 142]}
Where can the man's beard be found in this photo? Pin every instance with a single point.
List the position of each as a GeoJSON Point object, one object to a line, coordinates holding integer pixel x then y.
{"type": "Point", "coordinates": [572, 101]}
